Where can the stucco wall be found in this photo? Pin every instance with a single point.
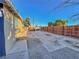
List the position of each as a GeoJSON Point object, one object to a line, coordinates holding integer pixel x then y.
{"type": "Point", "coordinates": [9, 29]}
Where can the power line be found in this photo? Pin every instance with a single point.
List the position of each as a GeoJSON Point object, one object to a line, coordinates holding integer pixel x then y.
{"type": "Point", "coordinates": [64, 4]}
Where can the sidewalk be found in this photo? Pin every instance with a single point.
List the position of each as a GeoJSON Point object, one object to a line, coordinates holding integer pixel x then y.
{"type": "Point", "coordinates": [19, 51]}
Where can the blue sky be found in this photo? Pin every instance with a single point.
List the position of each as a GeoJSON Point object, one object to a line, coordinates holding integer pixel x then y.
{"type": "Point", "coordinates": [44, 11]}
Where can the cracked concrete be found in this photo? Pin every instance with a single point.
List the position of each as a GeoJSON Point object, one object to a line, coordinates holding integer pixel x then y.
{"type": "Point", "coordinates": [43, 45]}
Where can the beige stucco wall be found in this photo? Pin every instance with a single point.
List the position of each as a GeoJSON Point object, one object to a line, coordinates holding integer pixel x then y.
{"type": "Point", "coordinates": [9, 29]}
{"type": "Point", "coordinates": [12, 21]}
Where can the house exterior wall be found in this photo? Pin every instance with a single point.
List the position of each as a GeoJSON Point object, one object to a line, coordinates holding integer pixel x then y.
{"type": "Point", "coordinates": [19, 28]}
{"type": "Point", "coordinates": [9, 21]}
{"type": "Point", "coordinates": [18, 25]}
{"type": "Point", "coordinates": [9, 29]}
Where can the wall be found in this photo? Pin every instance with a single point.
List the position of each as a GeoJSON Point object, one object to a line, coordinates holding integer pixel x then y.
{"type": "Point", "coordinates": [19, 27]}
{"type": "Point", "coordinates": [21, 31]}
{"type": "Point", "coordinates": [9, 29]}
{"type": "Point", "coordinates": [72, 31]}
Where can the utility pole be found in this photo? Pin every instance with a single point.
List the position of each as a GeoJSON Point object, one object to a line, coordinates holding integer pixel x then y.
{"type": "Point", "coordinates": [33, 20]}
{"type": "Point", "coordinates": [33, 23]}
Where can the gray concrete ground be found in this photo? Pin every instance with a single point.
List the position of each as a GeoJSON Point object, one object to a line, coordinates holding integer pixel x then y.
{"type": "Point", "coordinates": [36, 50]}
{"type": "Point", "coordinates": [43, 45]}
{"type": "Point", "coordinates": [18, 51]}
{"type": "Point", "coordinates": [65, 53]}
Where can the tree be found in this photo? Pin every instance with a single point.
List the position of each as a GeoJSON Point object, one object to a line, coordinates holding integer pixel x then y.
{"type": "Point", "coordinates": [27, 22]}
{"type": "Point", "coordinates": [60, 22]}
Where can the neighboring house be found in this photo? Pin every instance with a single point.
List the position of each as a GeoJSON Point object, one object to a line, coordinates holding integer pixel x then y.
{"type": "Point", "coordinates": [50, 24]}
{"type": "Point", "coordinates": [8, 18]}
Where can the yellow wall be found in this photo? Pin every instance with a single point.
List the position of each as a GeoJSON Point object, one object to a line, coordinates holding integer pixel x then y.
{"type": "Point", "coordinates": [20, 25]}
{"type": "Point", "coordinates": [20, 28]}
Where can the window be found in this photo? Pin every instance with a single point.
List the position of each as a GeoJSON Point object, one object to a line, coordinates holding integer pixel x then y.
{"type": "Point", "coordinates": [1, 9]}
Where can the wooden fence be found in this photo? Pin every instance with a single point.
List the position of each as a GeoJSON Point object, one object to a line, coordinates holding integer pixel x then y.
{"type": "Point", "coordinates": [63, 30]}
